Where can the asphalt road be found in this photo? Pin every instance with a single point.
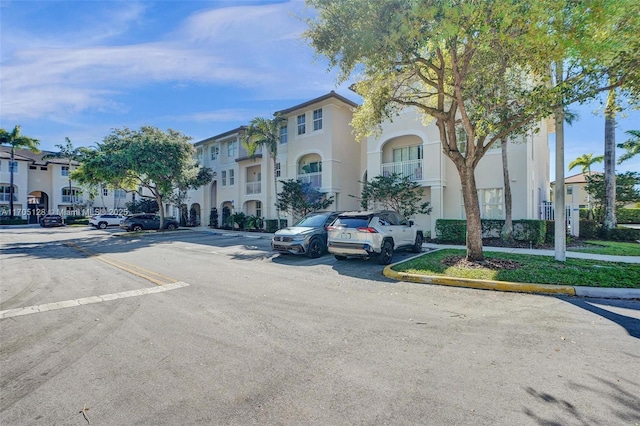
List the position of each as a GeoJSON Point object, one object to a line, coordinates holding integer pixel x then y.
{"type": "Point", "coordinates": [196, 328]}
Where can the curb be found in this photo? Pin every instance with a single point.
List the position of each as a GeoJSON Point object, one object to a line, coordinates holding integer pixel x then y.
{"type": "Point", "coordinates": [581, 291]}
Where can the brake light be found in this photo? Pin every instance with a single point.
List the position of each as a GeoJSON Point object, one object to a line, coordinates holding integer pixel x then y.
{"type": "Point", "coordinates": [331, 228]}
{"type": "Point", "coordinates": [368, 230]}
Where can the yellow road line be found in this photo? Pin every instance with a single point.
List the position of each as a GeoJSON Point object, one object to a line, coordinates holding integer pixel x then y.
{"type": "Point", "coordinates": [136, 270]}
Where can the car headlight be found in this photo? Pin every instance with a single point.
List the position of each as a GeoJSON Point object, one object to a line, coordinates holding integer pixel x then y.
{"type": "Point", "coordinates": [301, 237]}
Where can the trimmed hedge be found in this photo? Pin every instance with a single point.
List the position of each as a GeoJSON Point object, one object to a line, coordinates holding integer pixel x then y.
{"type": "Point", "coordinates": [620, 234]}
{"type": "Point", "coordinates": [14, 221]}
{"type": "Point", "coordinates": [454, 230]}
{"type": "Point", "coordinates": [589, 228]}
{"type": "Point", "coordinates": [628, 215]}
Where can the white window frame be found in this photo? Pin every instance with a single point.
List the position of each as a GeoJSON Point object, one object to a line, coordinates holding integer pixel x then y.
{"type": "Point", "coordinates": [259, 208]}
{"type": "Point", "coordinates": [232, 148]}
{"type": "Point", "coordinates": [105, 192]}
{"type": "Point", "coordinates": [278, 170]}
{"type": "Point", "coordinates": [65, 171]}
{"type": "Point", "coordinates": [232, 177]}
{"type": "Point", "coordinates": [215, 151]}
{"type": "Point", "coordinates": [284, 130]}
{"type": "Point", "coordinates": [13, 166]}
{"type": "Point", "coordinates": [317, 119]}
{"type": "Point", "coordinates": [223, 177]}
{"type": "Point", "coordinates": [491, 202]}
{"type": "Point", "coordinates": [302, 124]}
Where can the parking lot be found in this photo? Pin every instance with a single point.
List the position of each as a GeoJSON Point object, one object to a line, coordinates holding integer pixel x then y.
{"type": "Point", "coordinates": [194, 327]}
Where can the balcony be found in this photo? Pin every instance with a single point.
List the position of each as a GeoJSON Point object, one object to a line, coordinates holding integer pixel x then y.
{"type": "Point", "coordinates": [412, 169]}
{"type": "Point", "coordinates": [315, 179]}
{"type": "Point", "coordinates": [70, 199]}
{"type": "Point", "coordinates": [253, 188]}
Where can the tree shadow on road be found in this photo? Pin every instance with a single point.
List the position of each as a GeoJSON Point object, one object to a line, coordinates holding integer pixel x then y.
{"type": "Point", "coordinates": [606, 309]}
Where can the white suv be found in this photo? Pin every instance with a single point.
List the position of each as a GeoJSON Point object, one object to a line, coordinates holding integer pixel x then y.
{"type": "Point", "coordinates": [103, 220]}
{"type": "Point", "coordinates": [372, 233]}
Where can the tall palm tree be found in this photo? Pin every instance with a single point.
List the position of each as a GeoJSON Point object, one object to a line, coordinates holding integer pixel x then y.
{"type": "Point", "coordinates": [585, 161]}
{"type": "Point", "coordinates": [632, 146]}
{"type": "Point", "coordinates": [264, 132]}
{"type": "Point", "coordinates": [16, 140]}
{"type": "Point", "coordinates": [69, 153]}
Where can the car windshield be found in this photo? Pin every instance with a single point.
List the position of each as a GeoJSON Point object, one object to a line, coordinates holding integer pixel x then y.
{"type": "Point", "coordinates": [352, 221]}
{"type": "Point", "coordinates": [312, 221]}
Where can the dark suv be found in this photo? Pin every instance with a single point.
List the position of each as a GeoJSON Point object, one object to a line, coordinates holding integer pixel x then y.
{"type": "Point", "coordinates": [144, 221]}
{"type": "Point", "coordinates": [308, 236]}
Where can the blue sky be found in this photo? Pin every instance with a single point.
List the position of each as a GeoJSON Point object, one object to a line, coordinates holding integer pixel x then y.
{"type": "Point", "coordinates": [78, 69]}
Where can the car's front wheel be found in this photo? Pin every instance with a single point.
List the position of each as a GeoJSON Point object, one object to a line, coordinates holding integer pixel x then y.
{"type": "Point", "coordinates": [417, 246]}
{"type": "Point", "coordinates": [102, 225]}
{"type": "Point", "coordinates": [315, 249]}
{"type": "Point", "coordinates": [137, 228]}
{"type": "Point", "coordinates": [171, 226]}
{"type": "Point", "coordinates": [386, 253]}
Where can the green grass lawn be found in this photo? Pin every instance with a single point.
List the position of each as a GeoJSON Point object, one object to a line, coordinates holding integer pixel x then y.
{"type": "Point", "coordinates": [609, 247]}
{"type": "Point", "coordinates": [530, 269]}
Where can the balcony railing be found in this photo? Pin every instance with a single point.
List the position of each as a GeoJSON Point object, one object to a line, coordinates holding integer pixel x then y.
{"type": "Point", "coordinates": [7, 197]}
{"type": "Point", "coordinates": [412, 169]}
{"type": "Point", "coordinates": [72, 199]}
{"type": "Point", "coordinates": [315, 179]}
{"type": "Point", "coordinates": [253, 188]}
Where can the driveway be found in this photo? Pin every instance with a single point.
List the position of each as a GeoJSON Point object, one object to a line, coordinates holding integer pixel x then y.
{"type": "Point", "coordinates": [195, 328]}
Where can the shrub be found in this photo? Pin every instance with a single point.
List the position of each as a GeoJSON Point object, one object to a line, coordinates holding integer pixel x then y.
{"type": "Point", "coordinates": [213, 217]}
{"type": "Point", "coordinates": [628, 215]}
{"type": "Point", "coordinates": [451, 231]}
{"type": "Point", "coordinates": [454, 230]}
{"type": "Point", "coordinates": [272, 224]}
{"type": "Point", "coordinates": [589, 228]}
{"type": "Point", "coordinates": [620, 234]}
{"type": "Point", "coordinates": [533, 231]}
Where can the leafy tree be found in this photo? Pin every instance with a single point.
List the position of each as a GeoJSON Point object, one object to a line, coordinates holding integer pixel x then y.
{"type": "Point", "coordinates": [301, 198]}
{"type": "Point", "coordinates": [145, 205]}
{"type": "Point", "coordinates": [632, 146]}
{"type": "Point", "coordinates": [480, 67]}
{"type": "Point", "coordinates": [395, 192]}
{"type": "Point", "coordinates": [69, 153]}
{"type": "Point", "coordinates": [585, 161]}
{"type": "Point", "coordinates": [15, 139]}
{"type": "Point", "coordinates": [146, 159]}
{"type": "Point", "coordinates": [626, 191]}
{"type": "Point", "coordinates": [263, 132]}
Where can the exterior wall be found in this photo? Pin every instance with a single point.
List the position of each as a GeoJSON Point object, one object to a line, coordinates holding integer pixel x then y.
{"type": "Point", "coordinates": [20, 186]}
{"type": "Point", "coordinates": [528, 160]}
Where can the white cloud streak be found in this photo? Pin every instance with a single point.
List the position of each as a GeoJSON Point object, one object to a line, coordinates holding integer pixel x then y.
{"type": "Point", "coordinates": [247, 46]}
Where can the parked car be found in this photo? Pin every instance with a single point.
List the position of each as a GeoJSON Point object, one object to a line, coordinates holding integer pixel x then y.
{"type": "Point", "coordinates": [144, 221]}
{"type": "Point", "coordinates": [372, 234]}
{"type": "Point", "coordinates": [51, 220]}
{"type": "Point", "coordinates": [308, 236]}
{"type": "Point", "coordinates": [103, 220]}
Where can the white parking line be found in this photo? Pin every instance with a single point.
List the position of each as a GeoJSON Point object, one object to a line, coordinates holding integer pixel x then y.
{"type": "Point", "coordinates": [88, 300]}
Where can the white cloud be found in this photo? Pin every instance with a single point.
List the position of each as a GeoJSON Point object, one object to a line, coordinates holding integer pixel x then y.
{"type": "Point", "coordinates": [246, 46]}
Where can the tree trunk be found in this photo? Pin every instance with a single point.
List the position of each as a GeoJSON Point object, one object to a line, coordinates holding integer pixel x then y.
{"type": "Point", "coordinates": [507, 231]}
{"type": "Point", "coordinates": [11, 183]}
{"type": "Point", "coordinates": [610, 221]}
{"type": "Point", "coordinates": [559, 212]}
{"type": "Point", "coordinates": [472, 208]}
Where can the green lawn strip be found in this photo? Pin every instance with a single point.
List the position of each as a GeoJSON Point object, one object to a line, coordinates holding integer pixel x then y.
{"type": "Point", "coordinates": [534, 269]}
{"type": "Point", "coordinates": [614, 248]}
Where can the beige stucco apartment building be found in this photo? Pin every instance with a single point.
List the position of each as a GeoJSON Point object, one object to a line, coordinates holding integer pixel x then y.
{"type": "Point", "coordinates": [317, 145]}
{"type": "Point", "coordinates": [41, 186]}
